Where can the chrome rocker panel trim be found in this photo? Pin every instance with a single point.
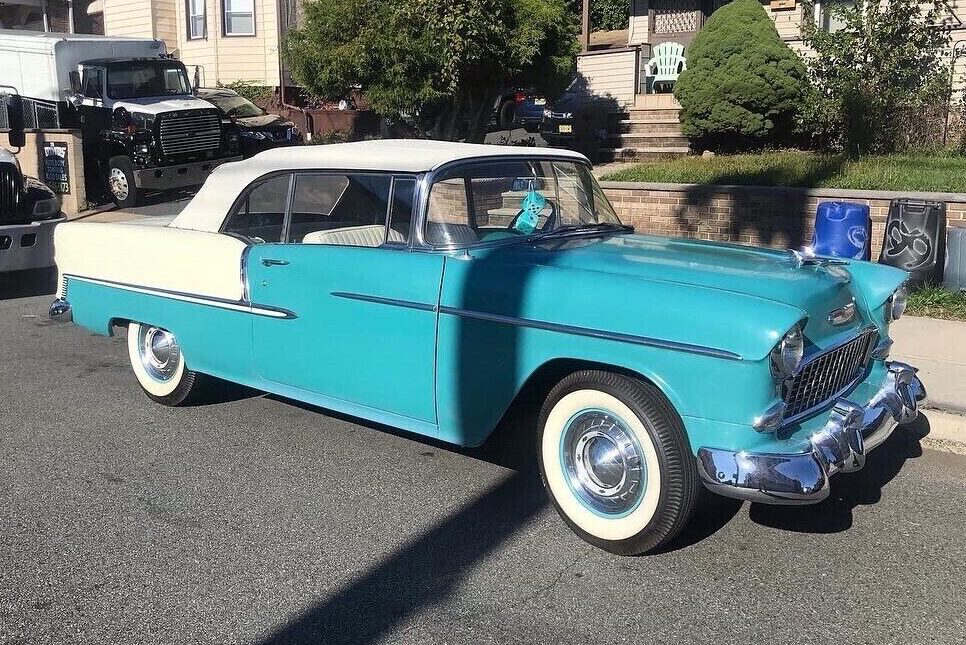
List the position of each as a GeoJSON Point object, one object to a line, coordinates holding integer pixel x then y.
{"type": "Point", "coordinates": [245, 306]}
{"type": "Point", "coordinates": [545, 326]}
{"type": "Point", "coordinates": [60, 311]}
{"type": "Point", "coordinates": [840, 446]}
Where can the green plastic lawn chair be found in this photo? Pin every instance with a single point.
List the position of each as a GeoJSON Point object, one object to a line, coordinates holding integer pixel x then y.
{"type": "Point", "coordinates": [666, 65]}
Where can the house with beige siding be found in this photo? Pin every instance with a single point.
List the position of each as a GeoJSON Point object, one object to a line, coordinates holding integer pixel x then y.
{"type": "Point", "coordinates": [221, 40]}
{"type": "Point", "coordinates": [614, 63]}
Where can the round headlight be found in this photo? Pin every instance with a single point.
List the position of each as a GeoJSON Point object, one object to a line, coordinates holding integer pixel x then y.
{"type": "Point", "coordinates": [788, 354]}
{"type": "Point", "coordinates": [897, 304]}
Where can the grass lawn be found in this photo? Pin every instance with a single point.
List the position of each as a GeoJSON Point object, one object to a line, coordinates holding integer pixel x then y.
{"type": "Point", "coordinates": [937, 302]}
{"type": "Point", "coordinates": [939, 173]}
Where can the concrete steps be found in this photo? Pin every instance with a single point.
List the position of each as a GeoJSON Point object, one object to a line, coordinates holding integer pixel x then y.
{"type": "Point", "coordinates": [649, 140]}
{"type": "Point", "coordinates": [646, 133]}
{"type": "Point", "coordinates": [638, 153]}
{"type": "Point", "coordinates": [634, 126]}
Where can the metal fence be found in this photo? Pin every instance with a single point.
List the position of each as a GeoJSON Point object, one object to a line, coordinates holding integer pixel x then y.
{"type": "Point", "coordinates": [37, 114]}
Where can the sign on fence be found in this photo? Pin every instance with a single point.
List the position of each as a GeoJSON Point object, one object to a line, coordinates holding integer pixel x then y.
{"type": "Point", "coordinates": [56, 168]}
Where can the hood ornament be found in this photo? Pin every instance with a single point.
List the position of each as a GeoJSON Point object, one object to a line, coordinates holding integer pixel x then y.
{"type": "Point", "coordinates": [807, 256]}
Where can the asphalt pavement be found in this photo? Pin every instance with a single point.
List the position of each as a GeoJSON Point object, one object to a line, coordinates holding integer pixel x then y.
{"type": "Point", "coordinates": [260, 520]}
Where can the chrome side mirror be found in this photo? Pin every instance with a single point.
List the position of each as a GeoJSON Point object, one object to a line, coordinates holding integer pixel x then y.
{"type": "Point", "coordinates": [74, 98]}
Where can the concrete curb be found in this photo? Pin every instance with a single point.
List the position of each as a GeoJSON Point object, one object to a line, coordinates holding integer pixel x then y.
{"type": "Point", "coordinates": [945, 426]}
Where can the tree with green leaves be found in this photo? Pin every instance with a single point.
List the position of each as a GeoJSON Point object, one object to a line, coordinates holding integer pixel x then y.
{"type": "Point", "coordinates": [440, 61]}
{"type": "Point", "coordinates": [879, 77]}
{"type": "Point", "coordinates": [743, 86]}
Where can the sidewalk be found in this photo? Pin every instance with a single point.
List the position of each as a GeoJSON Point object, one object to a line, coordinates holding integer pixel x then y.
{"type": "Point", "coordinates": [938, 349]}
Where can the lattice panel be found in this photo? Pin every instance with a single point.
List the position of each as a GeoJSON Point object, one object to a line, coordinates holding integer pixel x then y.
{"type": "Point", "coordinates": [676, 16]}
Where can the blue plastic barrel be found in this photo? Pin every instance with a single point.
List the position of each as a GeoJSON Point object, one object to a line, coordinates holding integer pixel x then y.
{"type": "Point", "coordinates": [843, 229]}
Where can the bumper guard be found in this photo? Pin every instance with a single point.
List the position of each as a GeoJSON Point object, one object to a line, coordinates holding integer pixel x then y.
{"type": "Point", "coordinates": [840, 446]}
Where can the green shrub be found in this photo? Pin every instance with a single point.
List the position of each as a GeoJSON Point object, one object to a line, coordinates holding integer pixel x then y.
{"type": "Point", "coordinates": [249, 90]}
{"type": "Point", "coordinates": [743, 86]}
{"type": "Point", "coordinates": [881, 81]}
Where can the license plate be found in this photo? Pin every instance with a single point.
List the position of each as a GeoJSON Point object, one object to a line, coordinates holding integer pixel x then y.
{"type": "Point", "coordinates": [539, 101]}
{"type": "Point", "coordinates": [566, 129]}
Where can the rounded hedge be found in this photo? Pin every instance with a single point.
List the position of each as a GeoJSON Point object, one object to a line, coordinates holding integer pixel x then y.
{"type": "Point", "coordinates": [743, 86]}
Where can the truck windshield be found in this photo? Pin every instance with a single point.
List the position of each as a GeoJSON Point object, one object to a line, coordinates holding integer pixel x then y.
{"type": "Point", "coordinates": [142, 79]}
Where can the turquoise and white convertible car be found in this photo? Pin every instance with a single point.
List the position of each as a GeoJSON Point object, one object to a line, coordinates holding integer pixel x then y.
{"type": "Point", "coordinates": [433, 286]}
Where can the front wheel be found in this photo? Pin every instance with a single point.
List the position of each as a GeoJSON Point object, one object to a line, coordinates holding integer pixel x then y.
{"type": "Point", "coordinates": [616, 462]}
{"type": "Point", "coordinates": [120, 182]}
{"type": "Point", "coordinates": [159, 365]}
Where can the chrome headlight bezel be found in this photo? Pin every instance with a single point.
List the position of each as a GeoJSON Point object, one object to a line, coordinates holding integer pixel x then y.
{"type": "Point", "coordinates": [896, 305]}
{"type": "Point", "coordinates": [788, 354]}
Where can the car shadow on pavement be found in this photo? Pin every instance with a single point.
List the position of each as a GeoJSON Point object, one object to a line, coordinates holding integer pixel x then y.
{"type": "Point", "coordinates": [425, 572]}
{"type": "Point", "coordinates": [848, 491]}
{"type": "Point", "coordinates": [28, 283]}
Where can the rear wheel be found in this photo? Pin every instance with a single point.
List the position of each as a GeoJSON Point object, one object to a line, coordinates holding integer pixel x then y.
{"type": "Point", "coordinates": [120, 182]}
{"type": "Point", "coordinates": [159, 365]}
{"type": "Point", "coordinates": [616, 462]}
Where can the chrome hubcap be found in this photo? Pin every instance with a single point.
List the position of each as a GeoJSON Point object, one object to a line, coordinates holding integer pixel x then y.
{"type": "Point", "coordinates": [603, 463]}
{"type": "Point", "coordinates": [118, 183]}
{"type": "Point", "coordinates": [159, 352]}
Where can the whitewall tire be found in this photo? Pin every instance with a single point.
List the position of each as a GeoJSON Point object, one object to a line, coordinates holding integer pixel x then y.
{"type": "Point", "coordinates": [159, 365]}
{"type": "Point", "coordinates": [616, 462]}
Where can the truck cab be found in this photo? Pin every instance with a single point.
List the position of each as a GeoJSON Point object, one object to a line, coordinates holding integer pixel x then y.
{"type": "Point", "coordinates": [29, 210]}
{"type": "Point", "coordinates": [144, 129]}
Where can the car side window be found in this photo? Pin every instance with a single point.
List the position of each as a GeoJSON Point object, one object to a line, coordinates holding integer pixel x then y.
{"type": "Point", "coordinates": [401, 209]}
{"type": "Point", "coordinates": [342, 209]}
{"type": "Point", "coordinates": [261, 216]}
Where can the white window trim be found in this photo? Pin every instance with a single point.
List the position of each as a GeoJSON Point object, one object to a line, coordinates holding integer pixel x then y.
{"type": "Point", "coordinates": [224, 21]}
{"type": "Point", "coordinates": [204, 20]}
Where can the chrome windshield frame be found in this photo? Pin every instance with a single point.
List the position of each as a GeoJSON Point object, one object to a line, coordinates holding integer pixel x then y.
{"type": "Point", "coordinates": [427, 180]}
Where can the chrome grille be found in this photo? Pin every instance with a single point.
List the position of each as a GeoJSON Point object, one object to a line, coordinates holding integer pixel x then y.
{"type": "Point", "coordinates": [823, 377]}
{"type": "Point", "coordinates": [184, 133]}
{"type": "Point", "coordinates": [9, 191]}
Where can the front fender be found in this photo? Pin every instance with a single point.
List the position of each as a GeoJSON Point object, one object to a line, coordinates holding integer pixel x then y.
{"type": "Point", "coordinates": [498, 324]}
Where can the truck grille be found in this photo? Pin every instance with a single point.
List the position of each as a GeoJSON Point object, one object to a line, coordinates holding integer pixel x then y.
{"type": "Point", "coordinates": [189, 132]}
{"type": "Point", "coordinates": [823, 377]}
{"type": "Point", "coordinates": [9, 191]}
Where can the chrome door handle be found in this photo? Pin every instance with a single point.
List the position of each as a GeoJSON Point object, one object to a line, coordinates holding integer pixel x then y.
{"type": "Point", "coordinates": [269, 262]}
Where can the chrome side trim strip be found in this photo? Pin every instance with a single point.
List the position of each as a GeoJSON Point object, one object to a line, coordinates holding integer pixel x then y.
{"type": "Point", "coordinates": [592, 333]}
{"type": "Point", "coordinates": [210, 301]}
{"type": "Point", "coordinates": [546, 326]}
{"type": "Point", "coordinates": [408, 304]}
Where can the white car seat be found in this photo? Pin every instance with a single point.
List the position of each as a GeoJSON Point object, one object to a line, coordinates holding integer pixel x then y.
{"type": "Point", "coordinates": [371, 235]}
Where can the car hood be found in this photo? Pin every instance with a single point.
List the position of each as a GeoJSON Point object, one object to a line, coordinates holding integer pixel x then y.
{"type": "Point", "coordinates": [158, 105]}
{"type": "Point", "coordinates": [262, 121]}
{"type": "Point", "coordinates": [748, 272]}
{"type": "Point", "coordinates": [566, 102]}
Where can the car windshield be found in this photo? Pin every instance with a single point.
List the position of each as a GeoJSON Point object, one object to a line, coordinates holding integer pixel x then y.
{"type": "Point", "coordinates": [502, 200]}
{"type": "Point", "coordinates": [143, 79]}
{"type": "Point", "coordinates": [234, 105]}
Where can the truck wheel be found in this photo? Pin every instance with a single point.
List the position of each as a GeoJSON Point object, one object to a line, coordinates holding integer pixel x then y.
{"type": "Point", "coordinates": [160, 368]}
{"type": "Point", "coordinates": [120, 182]}
{"type": "Point", "coordinates": [616, 462]}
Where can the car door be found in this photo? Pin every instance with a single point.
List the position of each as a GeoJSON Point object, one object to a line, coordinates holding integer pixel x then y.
{"type": "Point", "coordinates": [362, 327]}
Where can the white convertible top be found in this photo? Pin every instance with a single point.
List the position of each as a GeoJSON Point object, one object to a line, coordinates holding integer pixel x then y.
{"type": "Point", "coordinates": [208, 209]}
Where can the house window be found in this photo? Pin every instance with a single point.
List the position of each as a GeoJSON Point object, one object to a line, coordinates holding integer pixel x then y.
{"type": "Point", "coordinates": [195, 10]}
{"type": "Point", "coordinates": [828, 13]}
{"type": "Point", "coordinates": [239, 17]}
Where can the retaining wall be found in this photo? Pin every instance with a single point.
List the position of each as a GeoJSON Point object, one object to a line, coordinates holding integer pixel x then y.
{"type": "Point", "coordinates": [763, 216]}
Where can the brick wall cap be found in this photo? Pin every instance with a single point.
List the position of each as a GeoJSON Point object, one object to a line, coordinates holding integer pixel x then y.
{"type": "Point", "coordinates": [837, 193]}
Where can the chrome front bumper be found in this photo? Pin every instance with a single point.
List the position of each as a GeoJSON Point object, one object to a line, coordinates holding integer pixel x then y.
{"type": "Point", "coordinates": [839, 446]}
